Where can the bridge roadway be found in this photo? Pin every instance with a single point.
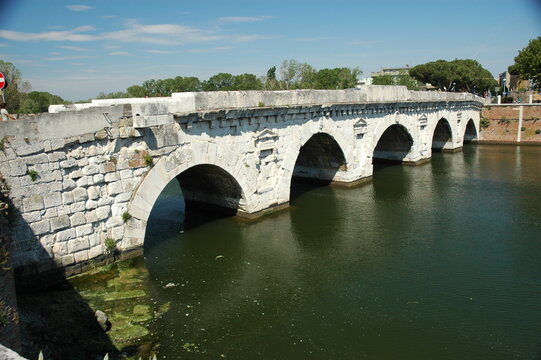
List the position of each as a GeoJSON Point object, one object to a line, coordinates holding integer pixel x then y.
{"type": "Point", "coordinates": [237, 151]}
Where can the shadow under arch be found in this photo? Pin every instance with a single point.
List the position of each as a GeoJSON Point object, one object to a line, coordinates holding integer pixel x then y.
{"type": "Point", "coordinates": [393, 146]}
{"type": "Point", "coordinates": [470, 133]}
{"type": "Point", "coordinates": [319, 160]}
{"type": "Point", "coordinates": [442, 136]}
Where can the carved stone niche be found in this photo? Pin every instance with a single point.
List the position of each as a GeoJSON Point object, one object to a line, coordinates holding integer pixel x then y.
{"type": "Point", "coordinates": [266, 140]}
{"type": "Point", "coordinates": [458, 117]}
{"type": "Point", "coordinates": [423, 121]}
{"type": "Point", "coordinates": [360, 128]}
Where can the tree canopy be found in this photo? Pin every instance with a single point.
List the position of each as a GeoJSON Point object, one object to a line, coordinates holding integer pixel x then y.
{"type": "Point", "coordinates": [38, 102]}
{"type": "Point", "coordinates": [15, 88]}
{"type": "Point", "coordinates": [528, 63]}
{"type": "Point", "coordinates": [403, 79]}
{"type": "Point", "coordinates": [457, 75]}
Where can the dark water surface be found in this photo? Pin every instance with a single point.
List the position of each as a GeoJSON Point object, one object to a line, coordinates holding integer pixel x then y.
{"type": "Point", "coordinates": [441, 261]}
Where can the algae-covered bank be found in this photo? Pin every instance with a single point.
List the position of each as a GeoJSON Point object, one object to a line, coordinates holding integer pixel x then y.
{"type": "Point", "coordinates": [61, 320]}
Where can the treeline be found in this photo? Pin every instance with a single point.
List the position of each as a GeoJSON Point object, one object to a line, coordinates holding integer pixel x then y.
{"type": "Point", "coordinates": [21, 99]}
{"type": "Point", "coordinates": [291, 75]}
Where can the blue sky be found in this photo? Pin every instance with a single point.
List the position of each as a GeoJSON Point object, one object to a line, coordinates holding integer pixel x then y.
{"type": "Point", "coordinates": [76, 49]}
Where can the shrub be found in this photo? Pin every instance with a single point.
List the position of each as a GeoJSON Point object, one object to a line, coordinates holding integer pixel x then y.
{"type": "Point", "coordinates": [261, 104]}
{"type": "Point", "coordinates": [148, 160]}
{"type": "Point", "coordinates": [537, 131]}
{"type": "Point", "coordinates": [126, 216]}
{"type": "Point", "coordinates": [110, 245]}
{"type": "Point", "coordinates": [484, 123]}
{"type": "Point", "coordinates": [523, 129]}
{"type": "Point", "coordinates": [33, 174]}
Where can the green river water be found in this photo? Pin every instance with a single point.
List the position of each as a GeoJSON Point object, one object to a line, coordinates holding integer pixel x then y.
{"type": "Point", "coordinates": [440, 261]}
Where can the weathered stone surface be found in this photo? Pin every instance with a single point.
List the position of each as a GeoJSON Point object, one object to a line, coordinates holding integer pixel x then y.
{"type": "Point", "coordinates": [34, 202]}
{"type": "Point", "coordinates": [103, 212]}
{"type": "Point", "coordinates": [66, 235]}
{"type": "Point", "coordinates": [52, 200]}
{"type": "Point", "coordinates": [77, 219]}
{"type": "Point", "coordinates": [84, 230]}
{"type": "Point", "coordinates": [60, 222]}
{"type": "Point", "coordinates": [79, 194]}
{"type": "Point", "coordinates": [40, 227]}
{"type": "Point", "coordinates": [115, 188]}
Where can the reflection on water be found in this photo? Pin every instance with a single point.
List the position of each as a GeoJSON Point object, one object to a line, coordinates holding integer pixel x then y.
{"type": "Point", "coordinates": [439, 261]}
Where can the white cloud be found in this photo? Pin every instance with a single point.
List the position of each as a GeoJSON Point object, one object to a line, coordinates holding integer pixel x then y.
{"type": "Point", "coordinates": [215, 49]}
{"type": "Point", "coordinates": [62, 58]}
{"type": "Point", "coordinates": [79, 7]}
{"type": "Point", "coordinates": [242, 19]}
{"type": "Point", "coordinates": [68, 35]}
{"type": "Point", "coordinates": [3, 45]}
{"type": "Point", "coordinates": [118, 53]}
{"type": "Point", "coordinates": [109, 17]}
{"type": "Point", "coordinates": [158, 51]}
{"type": "Point", "coordinates": [74, 48]}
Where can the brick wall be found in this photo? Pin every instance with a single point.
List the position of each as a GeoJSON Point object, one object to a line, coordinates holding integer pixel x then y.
{"type": "Point", "coordinates": [9, 317]}
{"type": "Point", "coordinates": [503, 124]}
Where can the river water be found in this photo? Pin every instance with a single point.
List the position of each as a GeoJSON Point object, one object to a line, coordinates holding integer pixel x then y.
{"type": "Point", "coordinates": [440, 261]}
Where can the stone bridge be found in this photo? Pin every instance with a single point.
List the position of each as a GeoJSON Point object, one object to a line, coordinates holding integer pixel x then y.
{"type": "Point", "coordinates": [77, 173]}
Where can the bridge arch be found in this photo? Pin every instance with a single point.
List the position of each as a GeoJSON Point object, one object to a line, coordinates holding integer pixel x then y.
{"type": "Point", "coordinates": [395, 140]}
{"type": "Point", "coordinates": [470, 132]}
{"type": "Point", "coordinates": [442, 136]}
{"type": "Point", "coordinates": [325, 138]}
{"type": "Point", "coordinates": [204, 178]}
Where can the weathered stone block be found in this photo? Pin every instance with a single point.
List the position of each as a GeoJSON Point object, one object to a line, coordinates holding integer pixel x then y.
{"type": "Point", "coordinates": [93, 192]}
{"type": "Point", "coordinates": [91, 216]}
{"type": "Point", "coordinates": [105, 201]}
{"type": "Point", "coordinates": [77, 219]}
{"type": "Point", "coordinates": [84, 230]}
{"type": "Point", "coordinates": [81, 256]}
{"type": "Point", "coordinates": [68, 184]}
{"type": "Point", "coordinates": [115, 188]}
{"type": "Point", "coordinates": [32, 216]}
{"type": "Point", "coordinates": [114, 221]}
{"type": "Point", "coordinates": [86, 138]}
{"type": "Point", "coordinates": [107, 167]}
{"type": "Point", "coordinates": [67, 260]}
{"type": "Point", "coordinates": [79, 194]}
{"type": "Point", "coordinates": [78, 207]}
{"type": "Point", "coordinates": [36, 159]}
{"type": "Point", "coordinates": [91, 204]}
{"type": "Point", "coordinates": [60, 222]}
{"type": "Point", "coordinates": [52, 200]}
{"type": "Point", "coordinates": [91, 170]}
{"type": "Point", "coordinates": [118, 209]}
{"type": "Point", "coordinates": [103, 212]}
{"type": "Point", "coordinates": [64, 210]}
{"type": "Point", "coordinates": [66, 235]}
{"type": "Point", "coordinates": [67, 164]}
{"type": "Point", "coordinates": [111, 177]}
{"type": "Point", "coordinates": [40, 227]}
{"type": "Point", "coordinates": [50, 213]}
{"type": "Point", "coordinates": [98, 178]}
{"type": "Point", "coordinates": [29, 149]}
{"type": "Point", "coordinates": [95, 251]}
{"type": "Point", "coordinates": [67, 198]}
{"type": "Point", "coordinates": [126, 174]}
{"type": "Point", "coordinates": [17, 167]}
{"type": "Point", "coordinates": [34, 202]}
{"type": "Point", "coordinates": [117, 233]}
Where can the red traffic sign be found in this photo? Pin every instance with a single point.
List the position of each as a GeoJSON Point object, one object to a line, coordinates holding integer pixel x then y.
{"type": "Point", "coordinates": [2, 81]}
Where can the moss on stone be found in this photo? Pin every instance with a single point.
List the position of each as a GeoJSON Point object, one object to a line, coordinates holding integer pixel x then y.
{"type": "Point", "coordinates": [121, 295]}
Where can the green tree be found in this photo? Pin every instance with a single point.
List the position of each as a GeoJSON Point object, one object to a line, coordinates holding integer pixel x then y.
{"type": "Point", "coordinates": [457, 75]}
{"type": "Point", "coordinates": [136, 91]}
{"type": "Point", "coordinates": [219, 82]}
{"type": "Point", "coordinates": [528, 63]}
{"type": "Point", "coordinates": [296, 75]}
{"type": "Point", "coordinates": [403, 79]}
{"type": "Point", "coordinates": [337, 78]}
{"type": "Point", "coordinates": [15, 88]}
{"type": "Point", "coordinates": [247, 82]}
{"type": "Point", "coordinates": [271, 83]}
{"type": "Point", "coordinates": [38, 101]}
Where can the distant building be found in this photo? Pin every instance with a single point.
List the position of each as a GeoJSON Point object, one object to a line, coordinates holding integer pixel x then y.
{"type": "Point", "coordinates": [392, 71]}
{"type": "Point", "coordinates": [364, 81]}
{"type": "Point", "coordinates": [509, 81]}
